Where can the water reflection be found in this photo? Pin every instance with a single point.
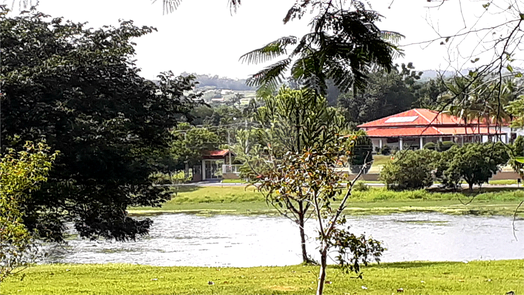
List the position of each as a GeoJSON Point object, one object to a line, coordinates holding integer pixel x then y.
{"type": "Point", "coordinates": [224, 240]}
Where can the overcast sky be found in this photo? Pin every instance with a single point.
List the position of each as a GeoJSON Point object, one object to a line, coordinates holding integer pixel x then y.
{"type": "Point", "coordinates": [204, 37]}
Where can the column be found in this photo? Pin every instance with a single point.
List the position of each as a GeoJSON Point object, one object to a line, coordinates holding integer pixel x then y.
{"type": "Point", "coordinates": [400, 143]}
{"type": "Point", "coordinates": [203, 169]}
{"type": "Point", "coordinates": [380, 143]}
{"type": "Point", "coordinates": [421, 142]}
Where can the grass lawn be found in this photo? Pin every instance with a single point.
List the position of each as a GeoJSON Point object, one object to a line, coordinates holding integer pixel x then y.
{"type": "Point", "coordinates": [246, 200]}
{"type": "Point", "coordinates": [475, 277]}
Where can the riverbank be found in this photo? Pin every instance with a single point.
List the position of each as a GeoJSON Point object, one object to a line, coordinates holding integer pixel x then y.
{"type": "Point", "coordinates": [475, 277]}
{"type": "Point", "coordinates": [246, 201]}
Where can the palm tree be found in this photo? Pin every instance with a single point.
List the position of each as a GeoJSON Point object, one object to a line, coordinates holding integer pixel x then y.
{"type": "Point", "coordinates": [473, 98]}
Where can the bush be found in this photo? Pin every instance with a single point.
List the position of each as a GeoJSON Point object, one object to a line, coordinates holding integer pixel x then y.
{"type": "Point", "coordinates": [409, 170]}
{"type": "Point", "coordinates": [362, 150]}
{"type": "Point", "coordinates": [386, 150]}
{"type": "Point", "coordinates": [443, 146]}
{"type": "Point", "coordinates": [430, 146]}
{"type": "Point", "coordinates": [360, 186]}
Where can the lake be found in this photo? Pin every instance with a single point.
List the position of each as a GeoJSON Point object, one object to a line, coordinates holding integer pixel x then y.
{"type": "Point", "coordinates": [244, 241]}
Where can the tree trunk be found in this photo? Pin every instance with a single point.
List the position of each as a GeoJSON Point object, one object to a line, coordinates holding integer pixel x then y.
{"type": "Point", "coordinates": [305, 258]}
{"type": "Point", "coordinates": [322, 273]}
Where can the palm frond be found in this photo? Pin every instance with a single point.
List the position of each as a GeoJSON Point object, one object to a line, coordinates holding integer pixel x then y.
{"type": "Point", "coordinates": [270, 77]}
{"type": "Point", "coordinates": [168, 6]}
{"type": "Point", "coordinates": [393, 37]}
{"type": "Point", "coordinates": [269, 51]}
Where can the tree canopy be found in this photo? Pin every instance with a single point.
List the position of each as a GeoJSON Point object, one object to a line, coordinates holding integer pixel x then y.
{"type": "Point", "coordinates": [344, 44]}
{"type": "Point", "coordinates": [79, 89]}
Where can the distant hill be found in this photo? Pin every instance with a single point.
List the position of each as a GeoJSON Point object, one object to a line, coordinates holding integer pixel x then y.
{"type": "Point", "coordinates": [216, 82]}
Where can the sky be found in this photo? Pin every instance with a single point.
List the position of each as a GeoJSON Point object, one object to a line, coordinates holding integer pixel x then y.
{"type": "Point", "coordinates": [205, 37]}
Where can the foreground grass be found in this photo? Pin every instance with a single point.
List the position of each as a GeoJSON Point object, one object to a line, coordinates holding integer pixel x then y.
{"type": "Point", "coordinates": [476, 277]}
{"type": "Point", "coordinates": [246, 200]}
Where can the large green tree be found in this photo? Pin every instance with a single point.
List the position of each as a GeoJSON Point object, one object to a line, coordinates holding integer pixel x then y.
{"type": "Point", "coordinates": [475, 163]}
{"type": "Point", "coordinates": [385, 94]}
{"type": "Point", "coordinates": [80, 90]}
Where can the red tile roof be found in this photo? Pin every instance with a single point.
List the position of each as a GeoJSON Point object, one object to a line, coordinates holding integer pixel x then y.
{"type": "Point", "coordinates": [416, 117]}
{"type": "Point", "coordinates": [217, 153]}
{"type": "Point", "coordinates": [423, 122]}
{"type": "Point", "coordinates": [428, 131]}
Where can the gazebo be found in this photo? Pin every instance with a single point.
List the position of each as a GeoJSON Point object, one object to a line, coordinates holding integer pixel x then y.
{"type": "Point", "coordinates": [414, 128]}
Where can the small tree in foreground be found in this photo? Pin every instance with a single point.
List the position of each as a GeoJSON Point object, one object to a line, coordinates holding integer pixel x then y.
{"type": "Point", "coordinates": [309, 178]}
{"type": "Point", "coordinates": [20, 174]}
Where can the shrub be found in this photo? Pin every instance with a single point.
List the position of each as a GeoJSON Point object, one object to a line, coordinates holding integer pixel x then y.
{"type": "Point", "coordinates": [430, 146]}
{"type": "Point", "coordinates": [386, 150]}
{"type": "Point", "coordinates": [360, 187]}
{"type": "Point", "coordinates": [409, 170]}
{"type": "Point", "coordinates": [362, 149]}
{"type": "Point", "coordinates": [443, 146]}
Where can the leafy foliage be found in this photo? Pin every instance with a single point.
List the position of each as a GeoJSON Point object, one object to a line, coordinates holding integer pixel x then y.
{"type": "Point", "coordinates": [296, 121]}
{"type": "Point", "coordinates": [343, 45]}
{"type": "Point", "coordinates": [21, 174]}
{"type": "Point", "coordinates": [353, 251]}
{"type": "Point", "coordinates": [385, 94]}
{"type": "Point", "coordinates": [79, 89]}
{"type": "Point", "coordinates": [474, 163]}
{"type": "Point", "coordinates": [516, 109]}
{"type": "Point", "coordinates": [309, 180]}
{"type": "Point", "coordinates": [191, 143]}
{"type": "Point", "coordinates": [409, 169]}
{"type": "Point", "coordinates": [517, 156]}
{"type": "Point", "coordinates": [362, 151]}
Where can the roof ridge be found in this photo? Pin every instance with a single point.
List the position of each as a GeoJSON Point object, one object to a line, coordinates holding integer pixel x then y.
{"type": "Point", "coordinates": [417, 111]}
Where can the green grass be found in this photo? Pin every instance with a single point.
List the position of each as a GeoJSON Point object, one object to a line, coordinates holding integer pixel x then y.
{"type": "Point", "coordinates": [476, 277]}
{"type": "Point", "coordinates": [233, 181]}
{"type": "Point", "coordinates": [381, 159]}
{"type": "Point", "coordinates": [246, 200]}
{"type": "Point", "coordinates": [503, 182]}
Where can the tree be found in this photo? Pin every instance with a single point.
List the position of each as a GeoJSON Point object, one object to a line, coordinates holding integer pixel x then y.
{"type": "Point", "coordinates": [21, 174]}
{"type": "Point", "coordinates": [475, 163]}
{"type": "Point", "coordinates": [191, 143]}
{"type": "Point", "coordinates": [385, 94]}
{"type": "Point", "coordinates": [309, 178]}
{"type": "Point", "coordinates": [291, 121]}
{"type": "Point", "coordinates": [517, 156]}
{"type": "Point", "coordinates": [516, 109]}
{"type": "Point", "coordinates": [79, 89]}
{"type": "Point", "coordinates": [477, 100]}
{"type": "Point", "coordinates": [344, 45]}
{"type": "Point", "coordinates": [362, 152]}
{"type": "Point", "coordinates": [409, 169]}
{"type": "Point", "coordinates": [296, 121]}
{"type": "Point", "coordinates": [428, 94]}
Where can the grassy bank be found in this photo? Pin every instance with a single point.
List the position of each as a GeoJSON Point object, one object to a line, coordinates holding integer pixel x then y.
{"type": "Point", "coordinates": [242, 200]}
{"type": "Point", "coordinates": [476, 277]}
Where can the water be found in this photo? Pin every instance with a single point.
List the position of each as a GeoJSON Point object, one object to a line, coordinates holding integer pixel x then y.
{"type": "Point", "coordinates": [243, 241]}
